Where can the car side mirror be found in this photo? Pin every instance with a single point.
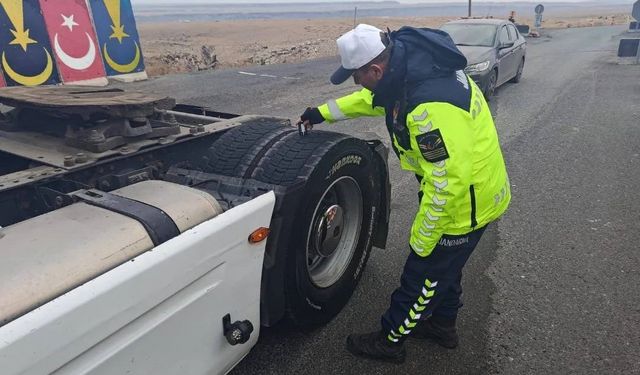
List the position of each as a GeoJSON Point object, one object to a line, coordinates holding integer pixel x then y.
{"type": "Point", "coordinates": [506, 45]}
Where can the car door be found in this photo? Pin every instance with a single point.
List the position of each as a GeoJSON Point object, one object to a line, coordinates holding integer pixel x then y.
{"type": "Point", "coordinates": [519, 47]}
{"type": "Point", "coordinates": [506, 56]}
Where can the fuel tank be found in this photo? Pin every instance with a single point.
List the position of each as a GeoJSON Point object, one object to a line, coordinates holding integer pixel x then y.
{"type": "Point", "coordinates": [46, 256]}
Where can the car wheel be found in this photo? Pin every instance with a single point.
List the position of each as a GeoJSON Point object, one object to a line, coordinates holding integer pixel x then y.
{"type": "Point", "coordinates": [518, 76]}
{"type": "Point", "coordinates": [331, 237]}
{"type": "Point", "coordinates": [492, 82]}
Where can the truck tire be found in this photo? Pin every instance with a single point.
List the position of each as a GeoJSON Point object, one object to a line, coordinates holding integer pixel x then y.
{"type": "Point", "coordinates": [331, 236]}
{"type": "Point", "coordinates": [237, 152]}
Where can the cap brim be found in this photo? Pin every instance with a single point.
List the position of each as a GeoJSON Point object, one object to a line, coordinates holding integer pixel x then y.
{"type": "Point", "coordinates": [341, 75]}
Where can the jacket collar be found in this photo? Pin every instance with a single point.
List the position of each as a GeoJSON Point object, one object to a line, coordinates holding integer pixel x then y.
{"type": "Point", "coordinates": [417, 55]}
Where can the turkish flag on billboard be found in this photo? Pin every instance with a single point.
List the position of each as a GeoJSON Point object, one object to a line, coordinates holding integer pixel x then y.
{"type": "Point", "coordinates": [73, 39]}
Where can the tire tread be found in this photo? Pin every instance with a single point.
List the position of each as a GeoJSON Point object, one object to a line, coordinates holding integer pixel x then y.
{"type": "Point", "coordinates": [238, 151]}
{"type": "Point", "coordinates": [293, 157]}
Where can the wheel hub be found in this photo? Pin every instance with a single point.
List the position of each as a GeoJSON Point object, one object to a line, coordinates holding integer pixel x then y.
{"type": "Point", "coordinates": [334, 231]}
{"type": "Point", "coordinates": [329, 231]}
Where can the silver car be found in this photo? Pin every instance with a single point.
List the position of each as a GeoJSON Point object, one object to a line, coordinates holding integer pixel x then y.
{"type": "Point", "coordinates": [495, 51]}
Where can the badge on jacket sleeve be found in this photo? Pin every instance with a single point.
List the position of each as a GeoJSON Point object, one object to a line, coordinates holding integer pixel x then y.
{"type": "Point", "coordinates": [432, 146]}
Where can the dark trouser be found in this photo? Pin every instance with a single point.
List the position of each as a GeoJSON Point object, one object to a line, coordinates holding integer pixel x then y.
{"type": "Point", "coordinates": [430, 285]}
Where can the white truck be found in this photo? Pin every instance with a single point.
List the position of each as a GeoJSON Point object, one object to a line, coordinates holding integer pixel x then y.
{"type": "Point", "coordinates": [144, 237]}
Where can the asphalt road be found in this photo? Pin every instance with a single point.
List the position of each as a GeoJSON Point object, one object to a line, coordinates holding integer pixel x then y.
{"type": "Point", "coordinates": [553, 288]}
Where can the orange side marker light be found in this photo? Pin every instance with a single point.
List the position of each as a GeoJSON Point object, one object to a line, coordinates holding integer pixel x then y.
{"type": "Point", "coordinates": [259, 235]}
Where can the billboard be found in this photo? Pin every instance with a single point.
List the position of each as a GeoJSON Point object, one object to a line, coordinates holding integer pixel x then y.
{"type": "Point", "coordinates": [44, 42]}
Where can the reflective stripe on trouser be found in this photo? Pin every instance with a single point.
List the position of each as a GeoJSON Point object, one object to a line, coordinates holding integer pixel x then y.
{"type": "Point", "coordinates": [429, 285]}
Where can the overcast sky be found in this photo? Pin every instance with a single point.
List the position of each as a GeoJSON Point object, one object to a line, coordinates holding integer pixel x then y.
{"type": "Point", "coordinates": [351, 1]}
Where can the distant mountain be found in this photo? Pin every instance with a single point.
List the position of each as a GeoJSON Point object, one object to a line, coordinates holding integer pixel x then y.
{"type": "Point", "coordinates": [206, 10]}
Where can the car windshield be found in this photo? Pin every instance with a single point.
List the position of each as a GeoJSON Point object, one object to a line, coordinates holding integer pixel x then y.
{"type": "Point", "coordinates": [468, 34]}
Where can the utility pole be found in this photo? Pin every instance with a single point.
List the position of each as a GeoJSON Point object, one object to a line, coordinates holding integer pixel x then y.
{"type": "Point", "coordinates": [355, 17]}
{"type": "Point", "coordinates": [469, 8]}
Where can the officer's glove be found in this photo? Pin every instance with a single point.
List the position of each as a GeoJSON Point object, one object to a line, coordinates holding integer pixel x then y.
{"type": "Point", "coordinates": [312, 116]}
{"type": "Point", "coordinates": [309, 118]}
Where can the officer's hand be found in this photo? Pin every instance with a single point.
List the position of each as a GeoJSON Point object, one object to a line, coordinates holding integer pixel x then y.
{"type": "Point", "coordinates": [311, 117]}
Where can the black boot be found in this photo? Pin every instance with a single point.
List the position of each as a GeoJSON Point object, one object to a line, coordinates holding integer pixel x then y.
{"type": "Point", "coordinates": [376, 345]}
{"type": "Point", "coordinates": [440, 330]}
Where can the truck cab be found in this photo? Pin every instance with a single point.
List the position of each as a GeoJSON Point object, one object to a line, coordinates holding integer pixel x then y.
{"type": "Point", "coordinates": [142, 236]}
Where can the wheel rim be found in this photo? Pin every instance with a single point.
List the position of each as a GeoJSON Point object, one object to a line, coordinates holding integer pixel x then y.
{"type": "Point", "coordinates": [492, 84]}
{"type": "Point", "coordinates": [334, 231]}
{"type": "Point", "coordinates": [520, 70]}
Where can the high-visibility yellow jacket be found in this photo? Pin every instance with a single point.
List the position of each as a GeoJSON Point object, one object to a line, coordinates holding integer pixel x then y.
{"type": "Point", "coordinates": [448, 138]}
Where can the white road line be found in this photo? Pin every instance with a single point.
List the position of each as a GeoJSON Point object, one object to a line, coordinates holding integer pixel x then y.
{"type": "Point", "coordinates": [266, 75]}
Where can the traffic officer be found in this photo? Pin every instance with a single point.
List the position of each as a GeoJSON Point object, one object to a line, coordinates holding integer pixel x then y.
{"type": "Point", "coordinates": [442, 131]}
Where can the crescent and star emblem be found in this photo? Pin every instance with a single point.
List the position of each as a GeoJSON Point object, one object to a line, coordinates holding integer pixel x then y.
{"type": "Point", "coordinates": [77, 63]}
{"type": "Point", "coordinates": [122, 68]}
{"type": "Point", "coordinates": [35, 80]}
{"type": "Point", "coordinates": [14, 10]}
{"type": "Point", "coordinates": [113, 8]}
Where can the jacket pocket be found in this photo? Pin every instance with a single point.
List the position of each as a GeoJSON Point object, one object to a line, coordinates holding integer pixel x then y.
{"type": "Point", "coordinates": [472, 194]}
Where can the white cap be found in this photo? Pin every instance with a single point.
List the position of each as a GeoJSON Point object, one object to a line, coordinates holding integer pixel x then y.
{"type": "Point", "coordinates": [357, 48]}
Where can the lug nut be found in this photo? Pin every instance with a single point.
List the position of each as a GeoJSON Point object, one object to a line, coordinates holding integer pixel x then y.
{"type": "Point", "coordinates": [68, 161]}
{"type": "Point", "coordinates": [172, 119]}
{"type": "Point", "coordinates": [95, 137]}
{"type": "Point", "coordinates": [81, 158]}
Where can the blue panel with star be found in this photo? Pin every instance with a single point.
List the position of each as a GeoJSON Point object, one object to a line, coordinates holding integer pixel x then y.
{"type": "Point", "coordinates": [118, 37]}
{"type": "Point", "coordinates": [25, 51]}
